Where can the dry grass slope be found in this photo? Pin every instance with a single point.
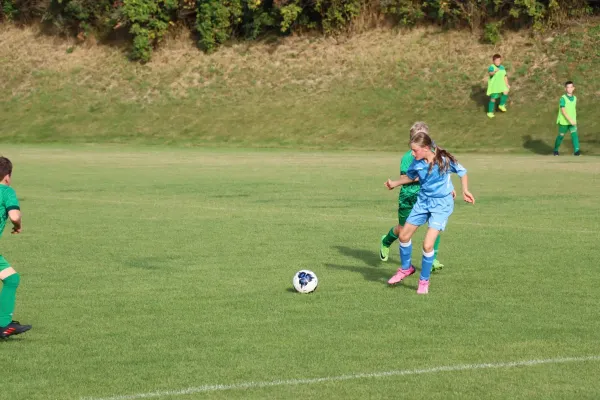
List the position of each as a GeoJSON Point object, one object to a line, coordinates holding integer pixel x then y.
{"type": "Point", "coordinates": [295, 92]}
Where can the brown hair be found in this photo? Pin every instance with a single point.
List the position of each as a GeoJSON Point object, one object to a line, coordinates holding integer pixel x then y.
{"type": "Point", "coordinates": [496, 56]}
{"type": "Point", "coordinates": [5, 167]}
{"type": "Point", "coordinates": [442, 157]}
{"type": "Point", "coordinates": [419, 126]}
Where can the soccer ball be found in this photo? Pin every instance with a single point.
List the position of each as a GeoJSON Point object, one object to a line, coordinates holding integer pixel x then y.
{"type": "Point", "coordinates": [305, 281]}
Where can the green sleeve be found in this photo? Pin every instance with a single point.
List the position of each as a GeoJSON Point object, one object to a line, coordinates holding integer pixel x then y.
{"type": "Point", "coordinates": [10, 199]}
{"type": "Point", "coordinates": [407, 159]}
{"type": "Point", "coordinates": [562, 102]}
{"type": "Point", "coordinates": [491, 68]}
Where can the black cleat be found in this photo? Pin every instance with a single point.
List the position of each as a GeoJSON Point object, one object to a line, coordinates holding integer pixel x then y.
{"type": "Point", "coordinates": [14, 328]}
{"type": "Point", "coordinates": [555, 152]}
{"type": "Point", "coordinates": [577, 153]}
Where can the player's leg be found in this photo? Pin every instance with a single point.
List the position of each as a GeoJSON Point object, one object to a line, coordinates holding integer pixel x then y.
{"type": "Point", "coordinates": [392, 235]}
{"type": "Point", "coordinates": [575, 138]}
{"type": "Point", "coordinates": [10, 282]}
{"type": "Point", "coordinates": [437, 222]}
{"type": "Point", "coordinates": [492, 104]}
{"type": "Point", "coordinates": [406, 267]}
{"type": "Point", "coordinates": [562, 130]}
{"type": "Point", "coordinates": [427, 262]}
{"type": "Point", "coordinates": [416, 218]}
{"type": "Point", "coordinates": [503, 100]}
{"type": "Point", "coordinates": [436, 264]}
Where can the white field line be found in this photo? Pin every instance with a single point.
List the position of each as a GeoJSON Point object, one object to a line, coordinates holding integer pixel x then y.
{"type": "Point", "coordinates": [342, 217]}
{"type": "Point", "coordinates": [312, 381]}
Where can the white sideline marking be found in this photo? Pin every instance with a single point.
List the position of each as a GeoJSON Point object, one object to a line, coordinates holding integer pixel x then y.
{"type": "Point", "coordinates": [310, 381]}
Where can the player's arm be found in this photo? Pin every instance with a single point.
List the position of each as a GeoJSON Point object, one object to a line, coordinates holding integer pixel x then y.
{"type": "Point", "coordinates": [467, 196]}
{"type": "Point", "coordinates": [14, 211]}
{"type": "Point", "coordinates": [15, 218]}
{"type": "Point", "coordinates": [492, 71]}
{"type": "Point", "coordinates": [403, 180]}
{"type": "Point", "coordinates": [464, 181]}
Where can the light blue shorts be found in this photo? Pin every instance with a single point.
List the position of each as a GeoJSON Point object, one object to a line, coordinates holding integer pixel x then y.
{"type": "Point", "coordinates": [435, 210]}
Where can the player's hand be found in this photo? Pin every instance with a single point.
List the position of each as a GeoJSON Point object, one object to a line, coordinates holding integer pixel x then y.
{"type": "Point", "coordinates": [468, 197]}
{"type": "Point", "coordinates": [388, 184]}
{"type": "Point", "coordinates": [453, 194]}
{"type": "Point", "coordinates": [16, 230]}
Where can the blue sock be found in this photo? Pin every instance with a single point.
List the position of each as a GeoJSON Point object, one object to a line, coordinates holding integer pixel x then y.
{"type": "Point", "coordinates": [405, 253]}
{"type": "Point", "coordinates": [426, 265]}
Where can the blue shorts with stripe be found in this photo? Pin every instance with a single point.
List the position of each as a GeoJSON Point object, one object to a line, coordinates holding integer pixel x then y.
{"type": "Point", "coordinates": [435, 210]}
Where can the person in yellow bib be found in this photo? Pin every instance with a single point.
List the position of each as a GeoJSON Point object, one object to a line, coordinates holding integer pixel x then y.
{"type": "Point", "coordinates": [567, 119]}
{"type": "Point", "coordinates": [497, 85]}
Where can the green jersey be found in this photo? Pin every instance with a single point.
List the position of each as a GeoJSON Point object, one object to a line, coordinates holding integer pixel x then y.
{"type": "Point", "coordinates": [496, 83]}
{"type": "Point", "coordinates": [408, 193]}
{"type": "Point", "coordinates": [569, 104]}
{"type": "Point", "coordinates": [8, 201]}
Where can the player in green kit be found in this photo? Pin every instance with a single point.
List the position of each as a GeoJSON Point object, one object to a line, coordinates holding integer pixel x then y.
{"type": "Point", "coordinates": [567, 119]}
{"type": "Point", "coordinates": [9, 209]}
{"type": "Point", "coordinates": [406, 201]}
{"type": "Point", "coordinates": [497, 85]}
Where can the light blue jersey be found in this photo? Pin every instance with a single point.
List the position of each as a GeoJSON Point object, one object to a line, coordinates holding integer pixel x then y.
{"type": "Point", "coordinates": [435, 203]}
{"type": "Point", "coordinates": [434, 184]}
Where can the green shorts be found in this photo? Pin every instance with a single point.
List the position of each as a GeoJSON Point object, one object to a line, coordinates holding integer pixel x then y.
{"type": "Point", "coordinates": [3, 263]}
{"type": "Point", "coordinates": [563, 129]}
{"type": "Point", "coordinates": [405, 206]}
{"type": "Point", "coordinates": [403, 214]}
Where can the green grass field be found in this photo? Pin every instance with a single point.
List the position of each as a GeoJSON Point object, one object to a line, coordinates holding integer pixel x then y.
{"type": "Point", "coordinates": [149, 270]}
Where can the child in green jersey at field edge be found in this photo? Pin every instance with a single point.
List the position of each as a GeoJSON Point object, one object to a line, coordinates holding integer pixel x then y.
{"type": "Point", "coordinates": [567, 118]}
{"type": "Point", "coordinates": [9, 209]}
{"type": "Point", "coordinates": [406, 201]}
{"type": "Point", "coordinates": [497, 85]}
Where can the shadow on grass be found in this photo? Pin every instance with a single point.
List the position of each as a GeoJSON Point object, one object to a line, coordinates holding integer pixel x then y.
{"type": "Point", "coordinates": [372, 271]}
{"type": "Point", "coordinates": [373, 275]}
{"type": "Point", "coordinates": [368, 257]}
{"type": "Point", "coordinates": [150, 263]}
{"type": "Point", "coordinates": [480, 97]}
{"type": "Point", "coordinates": [537, 146]}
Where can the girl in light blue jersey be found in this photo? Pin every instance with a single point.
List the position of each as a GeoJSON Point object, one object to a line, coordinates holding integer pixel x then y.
{"type": "Point", "coordinates": [432, 168]}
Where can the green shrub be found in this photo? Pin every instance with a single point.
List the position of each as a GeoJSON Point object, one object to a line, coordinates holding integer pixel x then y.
{"type": "Point", "coordinates": [491, 32]}
{"type": "Point", "coordinates": [216, 21]}
{"type": "Point", "coordinates": [149, 21]}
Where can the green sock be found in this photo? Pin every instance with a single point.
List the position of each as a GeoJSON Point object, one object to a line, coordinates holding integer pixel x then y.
{"type": "Point", "coordinates": [436, 247]}
{"type": "Point", "coordinates": [558, 141]}
{"type": "Point", "coordinates": [491, 106]}
{"type": "Point", "coordinates": [7, 298]}
{"type": "Point", "coordinates": [390, 238]}
{"type": "Point", "coordinates": [575, 138]}
{"type": "Point", "coordinates": [503, 99]}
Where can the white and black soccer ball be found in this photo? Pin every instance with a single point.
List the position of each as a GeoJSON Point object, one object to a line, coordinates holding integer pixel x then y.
{"type": "Point", "coordinates": [305, 281]}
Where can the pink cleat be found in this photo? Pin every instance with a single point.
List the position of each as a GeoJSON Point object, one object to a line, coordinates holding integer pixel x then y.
{"type": "Point", "coordinates": [423, 287]}
{"type": "Point", "coordinates": [401, 274]}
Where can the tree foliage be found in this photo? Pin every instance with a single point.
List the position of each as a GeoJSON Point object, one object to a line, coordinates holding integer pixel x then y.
{"type": "Point", "coordinates": [216, 21]}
